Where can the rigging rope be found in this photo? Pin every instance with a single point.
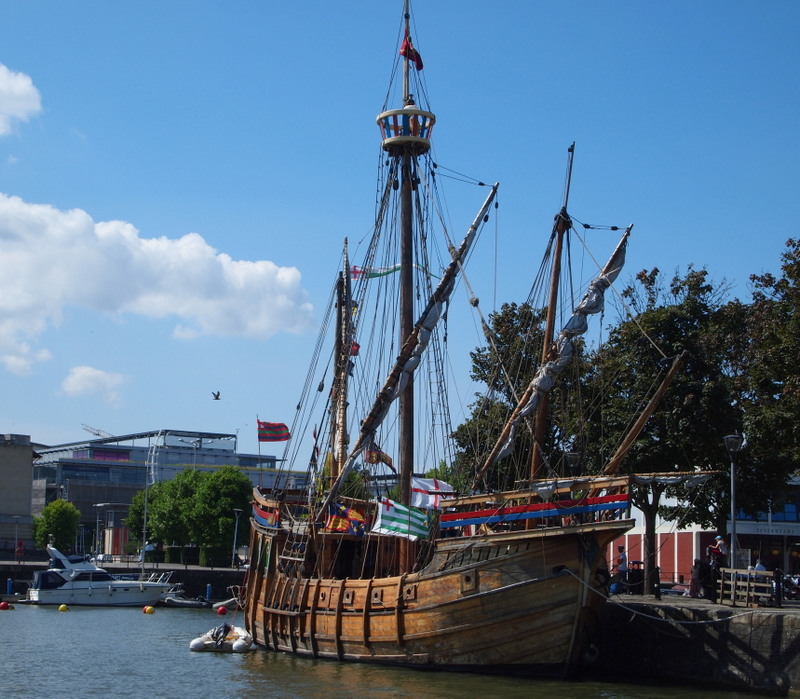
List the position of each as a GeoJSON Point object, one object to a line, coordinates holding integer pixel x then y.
{"type": "Point", "coordinates": [629, 312]}
{"type": "Point", "coordinates": [679, 622]}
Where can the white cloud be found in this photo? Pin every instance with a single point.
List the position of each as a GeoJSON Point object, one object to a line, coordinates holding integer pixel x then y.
{"type": "Point", "coordinates": [19, 98]}
{"type": "Point", "coordinates": [85, 380]}
{"type": "Point", "coordinates": [53, 259]}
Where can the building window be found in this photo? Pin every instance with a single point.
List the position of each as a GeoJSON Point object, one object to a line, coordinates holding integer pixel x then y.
{"type": "Point", "coordinates": [111, 455]}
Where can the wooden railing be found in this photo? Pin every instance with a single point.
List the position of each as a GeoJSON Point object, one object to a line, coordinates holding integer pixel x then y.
{"type": "Point", "coordinates": [739, 587]}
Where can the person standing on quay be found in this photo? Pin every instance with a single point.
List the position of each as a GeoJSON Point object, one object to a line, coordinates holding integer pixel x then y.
{"type": "Point", "coordinates": [622, 567]}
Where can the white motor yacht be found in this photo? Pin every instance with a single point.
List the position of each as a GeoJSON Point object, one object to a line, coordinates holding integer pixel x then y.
{"type": "Point", "coordinates": [74, 580]}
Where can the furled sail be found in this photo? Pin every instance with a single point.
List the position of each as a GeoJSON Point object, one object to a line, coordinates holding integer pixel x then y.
{"type": "Point", "coordinates": [561, 353]}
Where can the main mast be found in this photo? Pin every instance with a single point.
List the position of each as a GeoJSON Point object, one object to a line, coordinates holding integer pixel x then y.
{"type": "Point", "coordinates": [406, 134]}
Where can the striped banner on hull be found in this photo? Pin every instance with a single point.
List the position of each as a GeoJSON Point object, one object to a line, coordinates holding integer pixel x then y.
{"type": "Point", "coordinates": [562, 508]}
{"type": "Point", "coordinates": [266, 518]}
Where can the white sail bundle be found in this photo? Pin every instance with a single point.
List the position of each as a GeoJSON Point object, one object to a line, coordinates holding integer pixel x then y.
{"type": "Point", "coordinates": [564, 347]}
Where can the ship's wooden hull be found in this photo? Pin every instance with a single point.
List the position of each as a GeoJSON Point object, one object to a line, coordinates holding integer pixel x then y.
{"type": "Point", "coordinates": [524, 602]}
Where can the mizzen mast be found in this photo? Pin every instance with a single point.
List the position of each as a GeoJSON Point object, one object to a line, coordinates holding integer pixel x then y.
{"type": "Point", "coordinates": [561, 225]}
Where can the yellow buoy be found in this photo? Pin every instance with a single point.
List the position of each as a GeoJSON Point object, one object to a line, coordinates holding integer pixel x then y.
{"type": "Point", "coordinates": [63, 608]}
{"type": "Point", "coordinates": [148, 610]}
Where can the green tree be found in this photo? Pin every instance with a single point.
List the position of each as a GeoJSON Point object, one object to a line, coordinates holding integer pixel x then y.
{"type": "Point", "coordinates": [504, 365]}
{"type": "Point", "coordinates": [211, 520]}
{"type": "Point", "coordinates": [699, 407]}
{"type": "Point", "coordinates": [59, 519]}
{"type": "Point", "coordinates": [770, 385]}
{"type": "Point", "coordinates": [194, 507]}
{"type": "Point", "coordinates": [170, 515]}
{"type": "Point", "coordinates": [136, 512]}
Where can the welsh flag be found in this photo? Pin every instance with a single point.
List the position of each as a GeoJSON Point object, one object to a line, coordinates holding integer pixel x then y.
{"type": "Point", "coordinates": [398, 520]}
{"type": "Point", "coordinates": [272, 431]}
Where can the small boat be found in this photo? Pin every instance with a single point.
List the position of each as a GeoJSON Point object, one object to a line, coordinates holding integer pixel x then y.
{"type": "Point", "coordinates": [177, 598]}
{"type": "Point", "coordinates": [75, 580]}
{"type": "Point", "coordinates": [224, 638]}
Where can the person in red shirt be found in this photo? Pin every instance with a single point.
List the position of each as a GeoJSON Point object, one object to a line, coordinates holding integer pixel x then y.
{"type": "Point", "coordinates": [719, 552]}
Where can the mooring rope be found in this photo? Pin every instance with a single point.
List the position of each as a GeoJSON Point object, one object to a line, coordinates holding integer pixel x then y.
{"type": "Point", "coordinates": [636, 612]}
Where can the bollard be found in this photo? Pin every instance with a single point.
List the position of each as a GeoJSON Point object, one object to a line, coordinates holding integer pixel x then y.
{"type": "Point", "coordinates": [9, 587]}
{"type": "Point", "coordinates": [208, 592]}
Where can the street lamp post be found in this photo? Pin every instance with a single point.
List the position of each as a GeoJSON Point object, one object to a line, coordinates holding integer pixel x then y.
{"type": "Point", "coordinates": [237, 512]}
{"type": "Point", "coordinates": [16, 538]}
{"type": "Point", "coordinates": [733, 443]}
{"type": "Point", "coordinates": [97, 528]}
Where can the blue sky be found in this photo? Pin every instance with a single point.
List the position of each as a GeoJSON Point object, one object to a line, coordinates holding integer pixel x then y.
{"type": "Point", "coordinates": [176, 179]}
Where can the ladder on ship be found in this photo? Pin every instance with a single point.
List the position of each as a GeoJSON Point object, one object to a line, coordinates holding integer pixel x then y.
{"type": "Point", "coordinates": [292, 558]}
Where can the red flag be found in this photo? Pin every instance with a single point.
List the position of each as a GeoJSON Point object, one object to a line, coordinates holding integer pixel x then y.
{"type": "Point", "coordinates": [272, 432]}
{"type": "Point", "coordinates": [408, 51]}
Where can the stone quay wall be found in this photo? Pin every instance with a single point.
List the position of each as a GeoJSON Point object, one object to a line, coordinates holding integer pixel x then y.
{"type": "Point", "coordinates": [694, 642]}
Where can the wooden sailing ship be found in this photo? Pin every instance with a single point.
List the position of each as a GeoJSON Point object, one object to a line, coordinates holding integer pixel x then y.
{"type": "Point", "coordinates": [508, 581]}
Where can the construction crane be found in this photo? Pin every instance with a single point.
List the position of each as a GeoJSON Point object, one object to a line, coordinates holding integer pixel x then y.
{"type": "Point", "coordinates": [96, 432]}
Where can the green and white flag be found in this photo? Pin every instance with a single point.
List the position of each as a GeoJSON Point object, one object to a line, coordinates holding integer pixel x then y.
{"type": "Point", "coordinates": [398, 520]}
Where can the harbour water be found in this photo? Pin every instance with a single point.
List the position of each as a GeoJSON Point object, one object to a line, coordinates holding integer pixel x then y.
{"type": "Point", "coordinates": [102, 652]}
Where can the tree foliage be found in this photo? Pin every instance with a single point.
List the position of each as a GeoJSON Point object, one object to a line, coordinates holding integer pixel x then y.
{"type": "Point", "coordinates": [59, 519]}
{"type": "Point", "coordinates": [212, 519]}
{"type": "Point", "coordinates": [741, 375]}
{"type": "Point", "coordinates": [195, 507]}
{"type": "Point", "coordinates": [770, 380]}
{"type": "Point", "coordinates": [504, 365]}
{"type": "Point", "coordinates": [699, 407]}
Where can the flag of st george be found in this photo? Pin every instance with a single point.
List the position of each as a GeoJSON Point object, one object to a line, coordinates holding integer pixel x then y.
{"type": "Point", "coordinates": [427, 492]}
